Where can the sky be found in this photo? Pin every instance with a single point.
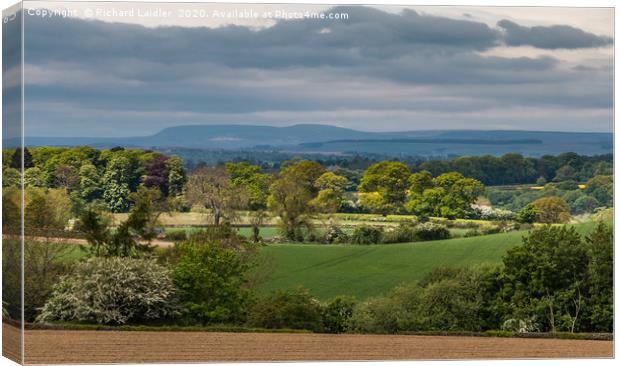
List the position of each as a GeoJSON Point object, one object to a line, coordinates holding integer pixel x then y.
{"type": "Point", "coordinates": [104, 69]}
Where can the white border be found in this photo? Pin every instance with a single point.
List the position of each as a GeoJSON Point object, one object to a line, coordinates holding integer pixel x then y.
{"type": "Point", "coordinates": [547, 3]}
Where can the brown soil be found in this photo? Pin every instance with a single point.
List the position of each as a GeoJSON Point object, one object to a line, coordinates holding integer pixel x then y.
{"type": "Point", "coordinates": [11, 342]}
{"type": "Point", "coordinates": [54, 346]}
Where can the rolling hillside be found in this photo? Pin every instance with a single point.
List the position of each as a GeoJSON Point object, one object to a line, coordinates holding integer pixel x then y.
{"type": "Point", "coordinates": [370, 270]}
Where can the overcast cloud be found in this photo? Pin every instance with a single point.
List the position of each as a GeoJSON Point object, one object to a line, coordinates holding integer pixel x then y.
{"type": "Point", "coordinates": [375, 71]}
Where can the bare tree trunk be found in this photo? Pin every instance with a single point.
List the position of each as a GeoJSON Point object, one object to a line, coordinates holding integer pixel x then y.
{"type": "Point", "coordinates": [551, 313]}
{"type": "Point", "coordinates": [551, 318]}
{"type": "Point", "coordinates": [217, 215]}
{"type": "Point", "coordinates": [577, 310]}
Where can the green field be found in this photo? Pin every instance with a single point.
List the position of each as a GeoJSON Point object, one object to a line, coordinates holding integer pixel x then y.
{"type": "Point", "coordinates": [370, 270]}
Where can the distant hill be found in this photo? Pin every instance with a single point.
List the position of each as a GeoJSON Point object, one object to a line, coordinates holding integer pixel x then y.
{"type": "Point", "coordinates": [466, 142]}
{"type": "Point", "coordinates": [240, 136]}
{"type": "Point", "coordinates": [325, 139]}
{"type": "Point", "coordinates": [216, 137]}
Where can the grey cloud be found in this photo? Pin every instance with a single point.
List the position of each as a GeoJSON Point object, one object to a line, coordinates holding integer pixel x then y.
{"type": "Point", "coordinates": [367, 34]}
{"type": "Point", "coordinates": [200, 75]}
{"type": "Point", "coordinates": [551, 37]}
{"type": "Point", "coordinates": [406, 47]}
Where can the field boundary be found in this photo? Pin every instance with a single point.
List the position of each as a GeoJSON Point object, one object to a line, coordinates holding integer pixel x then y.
{"type": "Point", "coordinates": [236, 329]}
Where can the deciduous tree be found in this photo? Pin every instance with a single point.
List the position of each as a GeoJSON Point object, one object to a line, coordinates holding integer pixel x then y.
{"type": "Point", "coordinates": [176, 176]}
{"type": "Point", "coordinates": [116, 181]}
{"type": "Point", "coordinates": [545, 278]}
{"type": "Point", "coordinates": [390, 180]}
{"type": "Point", "coordinates": [211, 187]}
{"type": "Point", "coordinates": [331, 192]}
{"type": "Point", "coordinates": [449, 195]}
{"type": "Point", "coordinates": [210, 279]}
{"type": "Point", "coordinates": [550, 210]}
{"type": "Point", "coordinates": [255, 183]}
{"type": "Point", "coordinates": [90, 183]}
{"type": "Point", "coordinates": [601, 278]}
{"type": "Point", "coordinates": [157, 173]}
{"type": "Point", "coordinates": [291, 193]}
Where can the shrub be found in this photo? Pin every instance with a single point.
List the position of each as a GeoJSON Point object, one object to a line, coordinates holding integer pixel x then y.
{"type": "Point", "coordinates": [446, 299]}
{"type": "Point", "coordinates": [460, 224]}
{"type": "Point", "coordinates": [461, 298]}
{"type": "Point", "coordinates": [210, 279]}
{"type": "Point", "coordinates": [545, 276]}
{"type": "Point", "coordinates": [502, 227]}
{"type": "Point", "coordinates": [224, 234]}
{"type": "Point", "coordinates": [376, 315]}
{"type": "Point", "coordinates": [289, 309]}
{"type": "Point", "coordinates": [403, 233]}
{"type": "Point", "coordinates": [44, 264]}
{"type": "Point", "coordinates": [490, 213]}
{"type": "Point", "coordinates": [431, 231]}
{"type": "Point", "coordinates": [180, 235]}
{"type": "Point", "coordinates": [471, 233]}
{"type": "Point", "coordinates": [337, 314]}
{"type": "Point", "coordinates": [568, 185]}
{"type": "Point", "coordinates": [311, 237]}
{"type": "Point", "coordinates": [335, 235]}
{"type": "Point", "coordinates": [520, 325]}
{"type": "Point", "coordinates": [450, 304]}
{"type": "Point", "coordinates": [112, 291]}
{"type": "Point", "coordinates": [571, 196]}
{"type": "Point", "coordinates": [399, 311]}
{"type": "Point", "coordinates": [585, 204]}
{"type": "Point", "coordinates": [365, 234]}
{"type": "Point", "coordinates": [527, 215]}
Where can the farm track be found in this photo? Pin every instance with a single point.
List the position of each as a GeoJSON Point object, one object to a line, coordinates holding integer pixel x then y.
{"type": "Point", "coordinates": [54, 346]}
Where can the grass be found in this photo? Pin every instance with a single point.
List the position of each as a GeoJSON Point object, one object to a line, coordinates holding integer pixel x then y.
{"type": "Point", "coordinates": [371, 270]}
{"type": "Point", "coordinates": [365, 271]}
{"type": "Point", "coordinates": [74, 253]}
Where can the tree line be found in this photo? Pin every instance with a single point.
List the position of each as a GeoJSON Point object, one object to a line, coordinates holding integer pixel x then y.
{"type": "Point", "coordinates": [102, 177]}
{"type": "Point", "coordinates": [300, 189]}
{"type": "Point", "coordinates": [517, 169]}
{"type": "Point", "coordinates": [490, 170]}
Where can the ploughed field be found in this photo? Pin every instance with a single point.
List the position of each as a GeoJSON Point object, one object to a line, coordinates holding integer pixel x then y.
{"type": "Point", "coordinates": [55, 346]}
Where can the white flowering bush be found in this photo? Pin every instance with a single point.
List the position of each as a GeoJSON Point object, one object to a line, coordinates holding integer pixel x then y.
{"type": "Point", "coordinates": [520, 325]}
{"type": "Point", "coordinates": [113, 291]}
{"type": "Point", "coordinates": [489, 213]}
